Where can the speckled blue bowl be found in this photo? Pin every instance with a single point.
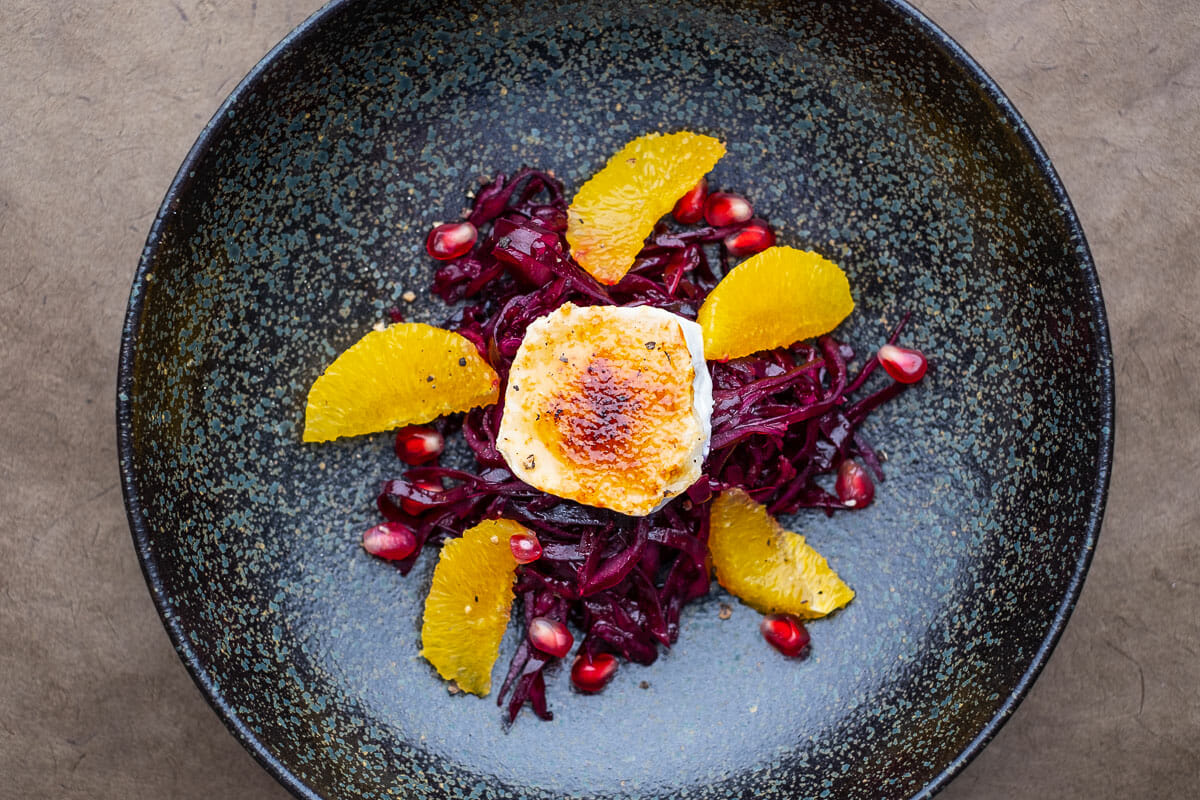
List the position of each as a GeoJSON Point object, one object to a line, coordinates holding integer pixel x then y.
{"type": "Point", "coordinates": [859, 129]}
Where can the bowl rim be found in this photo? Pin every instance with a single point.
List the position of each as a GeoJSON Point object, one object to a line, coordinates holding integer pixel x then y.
{"type": "Point", "coordinates": [294, 40]}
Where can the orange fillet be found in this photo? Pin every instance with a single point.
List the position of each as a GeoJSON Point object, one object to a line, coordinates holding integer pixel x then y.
{"type": "Point", "coordinates": [405, 374]}
{"type": "Point", "coordinates": [767, 567]}
{"type": "Point", "coordinates": [469, 603]}
{"type": "Point", "coordinates": [773, 299]}
{"type": "Point", "coordinates": [616, 210]}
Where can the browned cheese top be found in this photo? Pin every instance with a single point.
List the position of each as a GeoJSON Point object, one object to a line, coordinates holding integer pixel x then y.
{"type": "Point", "coordinates": [599, 407]}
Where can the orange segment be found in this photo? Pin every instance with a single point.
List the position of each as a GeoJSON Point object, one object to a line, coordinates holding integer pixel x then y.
{"type": "Point", "coordinates": [615, 211]}
{"type": "Point", "coordinates": [773, 299]}
{"type": "Point", "coordinates": [768, 568]}
{"type": "Point", "coordinates": [402, 375]}
{"type": "Point", "coordinates": [469, 603]}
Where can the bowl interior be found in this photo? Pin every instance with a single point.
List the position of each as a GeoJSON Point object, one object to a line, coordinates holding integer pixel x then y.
{"type": "Point", "coordinates": [859, 132]}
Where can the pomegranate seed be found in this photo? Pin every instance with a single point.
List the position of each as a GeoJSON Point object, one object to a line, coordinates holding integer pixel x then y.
{"type": "Point", "coordinates": [754, 238]}
{"type": "Point", "coordinates": [550, 636]}
{"type": "Point", "coordinates": [591, 673]}
{"type": "Point", "coordinates": [785, 633]}
{"type": "Point", "coordinates": [690, 208]}
{"type": "Point", "coordinates": [451, 240]}
{"type": "Point", "coordinates": [525, 547]}
{"type": "Point", "coordinates": [904, 365]}
{"type": "Point", "coordinates": [391, 540]}
{"type": "Point", "coordinates": [853, 485]}
{"type": "Point", "coordinates": [417, 444]}
{"type": "Point", "coordinates": [727, 208]}
{"type": "Point", "coordinates": [416, 507]}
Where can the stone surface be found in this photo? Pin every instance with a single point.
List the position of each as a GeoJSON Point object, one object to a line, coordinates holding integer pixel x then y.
{"type": "Point", "coordinates": [99, 102]}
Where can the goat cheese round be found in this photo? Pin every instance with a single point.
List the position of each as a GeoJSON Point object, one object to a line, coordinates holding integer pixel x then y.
{"type": "Point", "coordinates": [609, 407]}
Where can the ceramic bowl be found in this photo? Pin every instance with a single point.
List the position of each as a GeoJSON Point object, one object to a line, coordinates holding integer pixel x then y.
{"type": "Point", "coordinates": [861, 131]}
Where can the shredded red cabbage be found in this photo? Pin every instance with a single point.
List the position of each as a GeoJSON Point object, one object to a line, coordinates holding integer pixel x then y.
{"type": "Point", "coordinates": [781, 419]}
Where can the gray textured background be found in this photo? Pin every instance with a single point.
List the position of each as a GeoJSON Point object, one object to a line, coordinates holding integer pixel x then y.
{"type": "Point", "coordinates": [100, 101]}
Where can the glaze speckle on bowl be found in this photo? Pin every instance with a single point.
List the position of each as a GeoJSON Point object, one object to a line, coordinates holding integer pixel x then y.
{"type": "Point", "coordinates": [861, 132]}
